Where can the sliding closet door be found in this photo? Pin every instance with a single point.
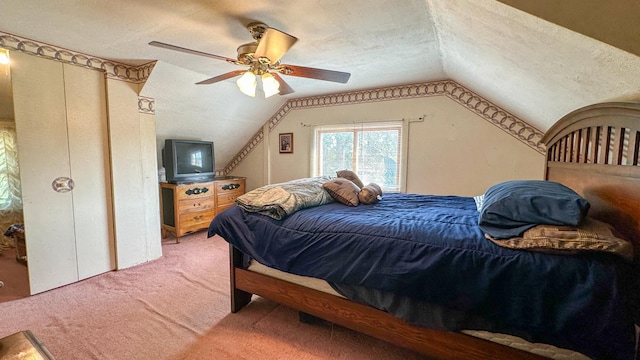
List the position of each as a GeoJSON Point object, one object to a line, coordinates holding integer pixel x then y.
{"type": "Point", "coordinates": [43, 152]}
{"type": "Point", "coordinates": [89, 159]}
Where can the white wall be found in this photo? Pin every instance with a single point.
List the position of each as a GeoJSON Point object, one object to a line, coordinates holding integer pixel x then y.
{"type": "Point", "coordinates": [135, 187]}
{"type": "Point", "coordinates": [453, 151]}
{"type": "Point", "coordinates": [456, 152]}
{"type": "Point", "coordinates": [254, 167]}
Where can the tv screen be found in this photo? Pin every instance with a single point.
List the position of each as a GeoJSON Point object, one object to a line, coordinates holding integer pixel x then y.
{"type": "Point", "coordinates": [188, 160]}
{"type": "Point", "coordinates": [193, 158]}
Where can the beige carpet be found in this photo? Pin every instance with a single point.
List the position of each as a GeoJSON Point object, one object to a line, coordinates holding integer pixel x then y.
{"type": "Point", "coordinates": [177, 307]}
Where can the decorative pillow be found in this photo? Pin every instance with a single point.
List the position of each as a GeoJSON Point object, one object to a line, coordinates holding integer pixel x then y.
{"type": "Point", "coordinates": [370, 194]}
{"type": "Point", "coordinates": [343, 190]}
{"type": "Point", "coordinates": [350, 175]}
{"type": "Point", "coordinates": [512, 207]}
{"type": "Point", "coordinates": [479, 199]}
{"type": "Point", "coordinates": [590, 235]}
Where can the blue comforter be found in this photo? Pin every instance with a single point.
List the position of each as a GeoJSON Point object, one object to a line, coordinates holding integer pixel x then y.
{"type": "Point", "coordinates": [430, 248]}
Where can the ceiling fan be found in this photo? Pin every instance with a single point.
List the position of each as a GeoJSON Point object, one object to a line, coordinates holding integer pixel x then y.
{"type": "Point", "coordinates": [262, 56]}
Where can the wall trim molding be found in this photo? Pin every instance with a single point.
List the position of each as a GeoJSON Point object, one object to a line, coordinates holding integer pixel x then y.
{"type": "Point", "coordinates": [146, 105]}
{"type": "Point", "coordinates": [248, 148]}
{"type": "Point", "coordinates": [113, 69]}
{"type": "Point", "coordinates": [482, 107]}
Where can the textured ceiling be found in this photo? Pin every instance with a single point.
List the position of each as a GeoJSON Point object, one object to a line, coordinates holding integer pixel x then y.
{"type": "Point", "coordinates": [533, 68]}
{"type": "Point", "coordinates": [614, 22]}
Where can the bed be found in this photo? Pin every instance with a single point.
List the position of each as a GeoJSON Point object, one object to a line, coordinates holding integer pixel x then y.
{"type": "Point", "coordinates": [593, 150]}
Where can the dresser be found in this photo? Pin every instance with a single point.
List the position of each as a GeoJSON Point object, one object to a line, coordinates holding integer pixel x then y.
{"type": "Point", "coordinates": [190, 207]}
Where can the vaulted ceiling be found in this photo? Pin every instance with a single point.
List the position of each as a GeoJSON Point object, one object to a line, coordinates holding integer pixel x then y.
{"type": "Point", "coordinates": [531, 67]}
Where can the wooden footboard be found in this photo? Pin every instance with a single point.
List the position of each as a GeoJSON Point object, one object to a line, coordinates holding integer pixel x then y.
{"type": "Point", "coordinates": [239, 298]}
{"type": "Point", "coordinates": [363, 318]}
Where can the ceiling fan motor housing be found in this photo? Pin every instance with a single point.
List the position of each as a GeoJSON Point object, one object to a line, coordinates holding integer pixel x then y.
{"type": "Point", "coordinates": [257, 29]}
{"type": "Point", "coordinates": [246, 51]}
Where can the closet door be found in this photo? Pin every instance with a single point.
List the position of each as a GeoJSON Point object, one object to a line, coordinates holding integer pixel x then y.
{"type": "Point", "coordinates": [89, 160]}
{"type": "Point", "coordinates": [43, 152]}
{"type": "Point", "coordinates": [62, 132]}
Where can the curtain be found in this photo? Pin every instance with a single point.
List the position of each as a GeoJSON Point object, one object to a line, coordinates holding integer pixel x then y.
{"type": "Point", "coordinates": [10, 191]}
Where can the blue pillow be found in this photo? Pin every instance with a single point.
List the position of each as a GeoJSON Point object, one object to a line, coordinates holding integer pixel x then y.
{"type": "Point", "coordinates": [512, 207]}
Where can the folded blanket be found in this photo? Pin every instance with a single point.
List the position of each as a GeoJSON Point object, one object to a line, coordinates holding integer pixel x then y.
{"type": "Point", "coordinates": [590, 235]}
{"type": "Point", "coordinates": [283, 199]}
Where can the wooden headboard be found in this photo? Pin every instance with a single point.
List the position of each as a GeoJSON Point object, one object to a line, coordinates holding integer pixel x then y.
{"type": "Point", "coordinates": [595, 151]}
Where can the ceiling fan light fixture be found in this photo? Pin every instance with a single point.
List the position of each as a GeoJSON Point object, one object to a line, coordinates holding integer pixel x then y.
{"type": "Point", "coordinates": [262, 56]}
{"type": "Point", "coordinates": [270, 85]}
{"type": "Point", "coordinates": [247, 83]}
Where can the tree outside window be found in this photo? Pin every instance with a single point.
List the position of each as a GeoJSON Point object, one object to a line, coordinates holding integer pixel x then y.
{"type": "Point", "coordinates": [371, 150]}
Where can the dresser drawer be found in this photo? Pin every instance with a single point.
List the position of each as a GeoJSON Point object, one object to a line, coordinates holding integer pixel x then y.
{"type": "Point", "coordinates": [198, 204]}
{"type": "Point", "coordinates": [228, 198]}
{"type": "Point", "coordinates": [196, 220]}
{"type": "Point", "coordinates": [222, 208]}
{"type": "Point", "coordinates": [227, 186]}
{"type": "Point", "coordinates": [194, 191]}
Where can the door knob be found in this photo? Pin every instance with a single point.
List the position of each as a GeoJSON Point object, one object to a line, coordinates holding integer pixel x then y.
{"type": "Point", "coordinates": [62, 184]}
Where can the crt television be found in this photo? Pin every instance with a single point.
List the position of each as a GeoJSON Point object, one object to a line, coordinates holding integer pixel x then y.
{"type": "Point", "coordinates": [188, 160]}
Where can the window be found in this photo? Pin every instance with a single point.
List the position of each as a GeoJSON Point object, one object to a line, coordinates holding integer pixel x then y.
{"type": "Point", "coordinates": [372, 150]}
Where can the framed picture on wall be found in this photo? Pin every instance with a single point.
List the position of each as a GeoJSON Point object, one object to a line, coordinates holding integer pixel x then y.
{"type": "Point", "coordinates": [286, 143]}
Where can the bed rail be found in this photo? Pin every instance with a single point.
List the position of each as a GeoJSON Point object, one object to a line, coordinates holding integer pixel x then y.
{"type": "Point", "coordinates": [365, 319]}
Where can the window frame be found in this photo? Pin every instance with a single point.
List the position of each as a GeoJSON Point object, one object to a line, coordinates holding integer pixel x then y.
{"type": "Point", "coordinates": [356, 128]}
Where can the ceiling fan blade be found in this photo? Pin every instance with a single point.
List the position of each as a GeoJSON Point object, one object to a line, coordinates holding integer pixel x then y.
{"type": "Point", "coordinates": [313, 73]}
{"type": "Point", "coordinates": [189, 51]}
{"type": "Point", "coordinates": [274, 44]}
{"type": "Point", "coordinates": [222, 77]}
{"type": "Point", "coordinates": [284, 87]}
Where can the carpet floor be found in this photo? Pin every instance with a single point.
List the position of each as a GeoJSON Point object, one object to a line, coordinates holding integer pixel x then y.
{"type": "Point", "coordinates": [177, 307]}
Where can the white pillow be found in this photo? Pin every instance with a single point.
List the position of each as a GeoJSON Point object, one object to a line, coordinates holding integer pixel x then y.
{"type": "Point", "coordinates": [479, 199]}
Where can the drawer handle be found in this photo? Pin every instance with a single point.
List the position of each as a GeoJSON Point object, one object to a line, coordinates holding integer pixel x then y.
{"type": "Point", "coordinates": [196, 191]}
{"type": "Point", "coordinates": [198, 217]}
{"type": "Point", "coordinates": [230, 186]}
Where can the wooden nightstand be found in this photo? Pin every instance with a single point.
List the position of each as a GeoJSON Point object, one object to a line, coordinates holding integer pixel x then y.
{"type": "Point", "coordinates": [190, 207]}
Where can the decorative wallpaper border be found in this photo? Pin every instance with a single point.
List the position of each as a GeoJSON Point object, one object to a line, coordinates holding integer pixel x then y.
{"type": "Point", "coordinates": [497, 116]}
{"type": "Point", "coordinates": [114, 70]}
{"type": "Point", "coordinates": [146, 105]}
{"type": "Point", "coordinates": [255, 140]}
{"type": "Point", "coordinates": [137, 74]}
